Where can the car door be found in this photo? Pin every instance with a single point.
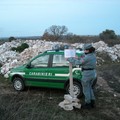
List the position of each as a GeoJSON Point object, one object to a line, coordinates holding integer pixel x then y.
{"type": "Point", "coordinates": [59, 70]}
{"type": "Point", "coordinates": [38, 72]}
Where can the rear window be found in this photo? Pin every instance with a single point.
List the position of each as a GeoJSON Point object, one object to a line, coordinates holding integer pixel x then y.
{"type": "Point", "coordinates": [59, 61]}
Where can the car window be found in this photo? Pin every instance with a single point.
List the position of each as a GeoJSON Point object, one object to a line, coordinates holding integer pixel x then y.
{"type": "Point", "coordinates": [41, 61]}
{"type": "Point", "coordinates": [59, 61]}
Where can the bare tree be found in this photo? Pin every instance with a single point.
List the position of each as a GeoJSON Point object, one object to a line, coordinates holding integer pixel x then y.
{"type": "Point", "coordinates": [55, 32]}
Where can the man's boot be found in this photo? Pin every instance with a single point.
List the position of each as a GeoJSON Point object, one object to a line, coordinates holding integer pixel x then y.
{"type": "Point", "coordinates": [93, 103]}
{"type": "Point", "coordinates": [86, 106]}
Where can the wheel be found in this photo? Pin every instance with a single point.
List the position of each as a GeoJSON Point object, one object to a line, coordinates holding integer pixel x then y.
{"type": "Point", "coordinates": [18, 84]}
{"type": "Point", "coordinates": [77, 89]}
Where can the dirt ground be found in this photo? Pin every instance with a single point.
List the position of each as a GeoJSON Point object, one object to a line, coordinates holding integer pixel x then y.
{"type": "Point", "coordinates": [42, 104]}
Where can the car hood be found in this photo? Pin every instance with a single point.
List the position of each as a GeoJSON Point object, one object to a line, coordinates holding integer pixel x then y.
{"type": "Point", "coordinates": [18, 69]}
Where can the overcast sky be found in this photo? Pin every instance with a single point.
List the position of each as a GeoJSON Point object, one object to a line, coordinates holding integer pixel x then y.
{"type": "Point", "coordinates": [81, 17]}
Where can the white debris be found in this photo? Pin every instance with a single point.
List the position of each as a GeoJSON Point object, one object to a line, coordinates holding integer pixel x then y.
{"type": "Point", "coordinates": [115, 95]}
{"type": "Point", "coordinates": [7, 74]}
{"type": "Point", "coordinates": [100, 46]}
{"type": "Point", "coordinates": [7, 55]}
{"type": "Point", "coordinates": [10, 59]}
{"type": "Point", "coordinates": [69, 103]}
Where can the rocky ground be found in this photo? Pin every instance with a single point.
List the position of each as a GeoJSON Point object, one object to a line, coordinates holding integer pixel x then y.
{"type": "Point", "coordinates": [42, 104]}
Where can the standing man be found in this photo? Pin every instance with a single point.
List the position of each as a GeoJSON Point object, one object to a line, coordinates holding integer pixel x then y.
{"type": "Point", "coordinates": [88, 63]}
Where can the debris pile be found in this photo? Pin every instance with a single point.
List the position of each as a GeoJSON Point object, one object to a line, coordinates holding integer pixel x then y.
{"type": "Point", "coordinates": [10, 59]}
{"type": "Point", "coordinates": [113, 52]}
{"type": "Point", "coordinates": [69, 103]}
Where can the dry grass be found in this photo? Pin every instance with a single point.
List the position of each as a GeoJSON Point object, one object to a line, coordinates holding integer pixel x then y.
{"type": "Point", "coordinates": [42, 104]}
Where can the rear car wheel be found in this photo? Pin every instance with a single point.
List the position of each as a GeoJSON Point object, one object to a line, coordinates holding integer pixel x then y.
{"type": "Point", "coordinates": [77, 89]}
{"type": "Point", "coordinates": [18, 84]}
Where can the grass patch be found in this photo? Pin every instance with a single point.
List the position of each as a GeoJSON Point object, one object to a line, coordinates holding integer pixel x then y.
{"type": "Point", "coordinates": [27, 106]}
{"type": "Point", "coordinates": [42, 104]}
{"type": "Point", "coordinates": [111, 74]}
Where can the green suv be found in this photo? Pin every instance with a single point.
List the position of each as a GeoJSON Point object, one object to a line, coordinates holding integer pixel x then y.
{"type": "Point", "coordinates": [48, 69]}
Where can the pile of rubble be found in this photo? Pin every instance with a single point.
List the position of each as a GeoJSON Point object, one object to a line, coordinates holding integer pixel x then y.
{"type": "Point", "coordinates": [113, 52]}
{"type": "Point", "coordinates": [10, 59]}
{"type": "Point", "coordinates": [69, 103]}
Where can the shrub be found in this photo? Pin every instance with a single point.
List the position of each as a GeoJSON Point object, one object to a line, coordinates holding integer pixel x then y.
{"type": "Point", "coordinates": [20, 48]}
{"type": "Point", "coordinates": [108, 34]}
{"type": "Point", "coordinates": [11, 39]}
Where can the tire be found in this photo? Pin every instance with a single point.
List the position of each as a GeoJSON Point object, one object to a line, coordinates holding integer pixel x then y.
{"type": "Point", "coordinates": [18, 84]}
{"type": "Point", "coordinates": [77, 89]}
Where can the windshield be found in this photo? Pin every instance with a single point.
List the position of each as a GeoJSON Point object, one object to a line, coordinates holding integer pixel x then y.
{"type": "Point", "coordinates": [41, 61]}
